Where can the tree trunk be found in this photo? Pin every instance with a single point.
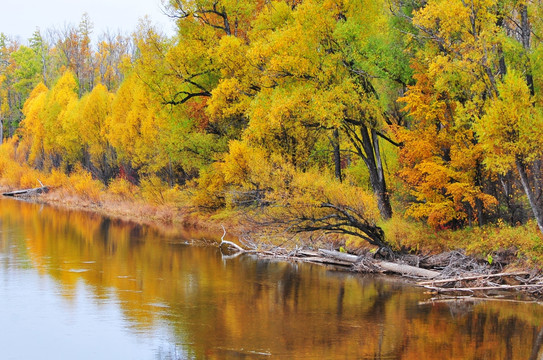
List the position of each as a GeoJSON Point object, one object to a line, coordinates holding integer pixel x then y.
{"type": "Point", "coordinates": [505, 181]}
{"type": "Point", "coordinates": [377, 175]}
{"type": "Point", "coordinates": [367, 147]}
{"type": "Point", "coordinates": [479, 206]}
{"type": "Point", "coordinates": [337, 155]}
{"type": "Point", "coordinates": [1, 131]}
{"type": "Point", "coordinates": [525, 33]}
{"type": "Point", "coordinates": [534, 202]}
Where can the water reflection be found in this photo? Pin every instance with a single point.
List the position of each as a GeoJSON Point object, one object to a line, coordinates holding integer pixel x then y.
{"type": "Point", "coordinates": [182, 302]}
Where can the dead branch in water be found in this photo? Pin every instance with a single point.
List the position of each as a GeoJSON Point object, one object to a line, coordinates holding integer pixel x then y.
{"type": "Point", "coordinates": [474, 277]}
{"type": "Point", "coordinates": [484, 288]}
{"type": "Point", "coordinates": [229, 243]}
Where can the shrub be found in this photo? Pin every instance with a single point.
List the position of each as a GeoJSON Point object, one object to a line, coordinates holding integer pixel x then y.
{"type": "Point", "coordinates": [153, 189]}
{"type": "Point", "coordinates": [81, 183]}
{"type": "Point", "coordinates": [122, 188]}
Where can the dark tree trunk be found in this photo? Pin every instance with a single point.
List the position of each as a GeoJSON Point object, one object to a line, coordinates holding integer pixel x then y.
{"type": "Point", "coordinates": [366, 143]}
{"type": "Point", "coordinates": [479, 206]}
{"type": "Point", "coordinates": [506, 183]}
{"type": "Point", "coordinates": [525, 32]}
{"type": "Point", "coordinates": [337, 155]}
{"type": "Point", "coordinates": [535, 203]}
{"type": "Point", "coordinates": [377, 174]}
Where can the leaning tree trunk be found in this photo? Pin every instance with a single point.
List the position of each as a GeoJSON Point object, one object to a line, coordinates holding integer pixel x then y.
{"type": "Point", "coordinates": [535, 203]}
{"type": "Point", "coordinates": [366, 143]}
{"type": "Point", "coordinates": [374, 164]}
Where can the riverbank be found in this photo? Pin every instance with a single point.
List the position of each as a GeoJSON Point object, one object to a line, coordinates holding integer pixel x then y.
{"type": "Point", "coordinates": [471, 269]}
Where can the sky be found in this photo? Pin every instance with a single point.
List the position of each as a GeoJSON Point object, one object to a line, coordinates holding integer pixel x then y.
{"type": "Point", "coordinates": [20, 19]}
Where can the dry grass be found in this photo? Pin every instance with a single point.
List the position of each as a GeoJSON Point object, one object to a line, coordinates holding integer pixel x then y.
{"type": "Point", "coordinates": [489, 242]}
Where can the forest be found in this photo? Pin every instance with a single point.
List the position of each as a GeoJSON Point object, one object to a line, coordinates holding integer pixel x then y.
{"type": "Point", "coordinates": [398, 123]}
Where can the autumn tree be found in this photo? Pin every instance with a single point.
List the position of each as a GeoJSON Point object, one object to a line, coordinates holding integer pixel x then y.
{"type": "Point", "coordinates": [113, 51]}
{"type": "Point", "coordinates": [50, 123]}
{"type": "Point", "coordinates": [32, 126]}
{"type": "Point", "coordinates": [511, 133]}
{"type": "Point", "coordinates": [456, 69]}
{"type": "Point", "coordinates": [74, 44]}
{"type": "Point", "coordinates": [305, 75]}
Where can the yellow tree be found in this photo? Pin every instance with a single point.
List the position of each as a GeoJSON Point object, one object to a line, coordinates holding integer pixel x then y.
{"type": "Point", "coordinates": [466, 50]}
{"type": "Point", "coordinates": [149, 137]}
{"type": "Point", "coordinates": [305, 74]}
{"type": "Point", "coordinates": [94, 109]}
{"type": "Point", "coordinates": [61, 97]}
{"type": "Point", "coordinates": [32, 128]}
{"type": "Point", "coordinates": [511, 132]}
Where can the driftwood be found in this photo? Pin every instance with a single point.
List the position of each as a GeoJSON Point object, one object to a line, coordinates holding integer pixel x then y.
{"type": "Point", "coordinates": [229, 243]}
{"type": "Point", "coordinates": [339, 255]}
{"type": "Point", "coordinates": [474, 277]}
{"type": "Point", "coordinates": [325, 260]}
{"type": "Point", "coordinates": [444, 299]}
{"type": "Point", "coordinates": [27, 192]}
{"type": "Point", "coordinates": [483, 288]}
{"type": "Point", "coordinates": [407, 270]}
{"type": "Point", "coordinates": [468, 276]}
{"type": "Point", "coordinates": [403, 269]}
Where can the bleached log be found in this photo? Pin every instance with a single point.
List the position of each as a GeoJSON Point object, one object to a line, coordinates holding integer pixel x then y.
{"type": "Point", "coordinates": [471, 298]}
{"type": "Point", "coordinates": [473, 277]}
{"type": "Point", "coordinates": [339, 255]}
{"type": "Point", "coordinates": [482, 288]}
{"type": "Point", "coordinates": [324, 260]}
{"type": "Point", "coordinates": [27, 192]}
{"type": "Point", "coordinates": [408, 270]}
{"type": "Point", "coordinates": [402, 269]}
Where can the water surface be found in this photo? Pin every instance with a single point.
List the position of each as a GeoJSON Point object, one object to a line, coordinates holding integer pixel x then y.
{"type": "Point", "coordinates": [75, 285]}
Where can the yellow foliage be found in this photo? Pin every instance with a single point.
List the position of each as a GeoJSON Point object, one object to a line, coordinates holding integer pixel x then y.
{"type": "Point", "coordinates": [209, 189]}
{"type": "Point", "coordinates": [512, 126]}
{"type": "Point", "coordinates": [122, 188]}
{"type": "Point", "coordinates": [81, 183]}
{"type": "Point", "coordinates": [153, 190]}
{"type": "Point", "coordinates": [32, 125]}
{"type": "Point", "coordinates": [56, 178]}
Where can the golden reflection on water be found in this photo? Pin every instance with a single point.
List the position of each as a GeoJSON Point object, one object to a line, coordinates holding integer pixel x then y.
{"type": "Point", "coordinates": [242, 308]}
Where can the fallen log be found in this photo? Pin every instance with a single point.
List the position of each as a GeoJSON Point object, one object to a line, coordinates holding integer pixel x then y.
{"type": "Point", "coordinates": [324, 260]}
{"type": "Point", "coordinates": [483, 288]}
{"type": "Point", "coordinates": [403, 269]}
{"type": "Point", "coordinates": [407, 270]}
{"type": "Point", "coordinates": [471, 298]}
{"type": "Point", "coordinates": [339, 255]}
{"type": "Point", "coordinates": [27, 192]}
{"type": "Point", "coordinates": [473, 277]}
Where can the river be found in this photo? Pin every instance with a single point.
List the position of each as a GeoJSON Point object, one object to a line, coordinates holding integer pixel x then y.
{"type": "Point", "coordinates": [76, 285]}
